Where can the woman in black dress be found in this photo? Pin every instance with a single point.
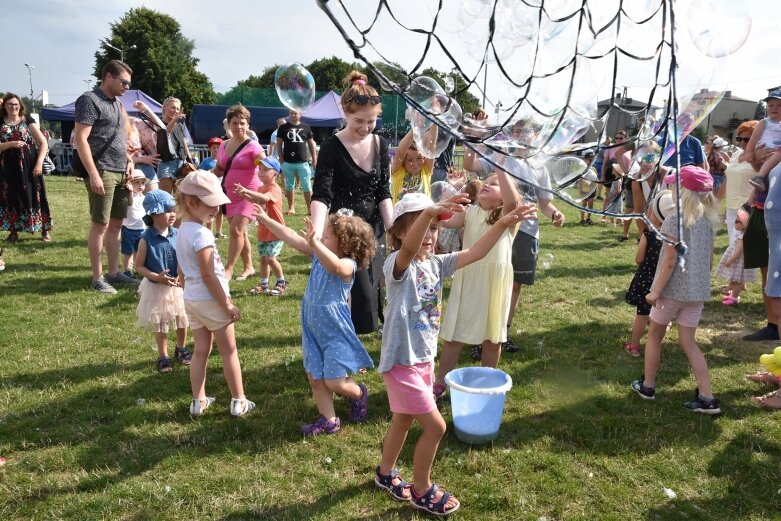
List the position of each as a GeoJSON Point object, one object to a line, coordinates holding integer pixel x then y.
{"type": "Point", "coordinates": [23, 203]}
{"type": "Point", "coordinates": [353, 172]}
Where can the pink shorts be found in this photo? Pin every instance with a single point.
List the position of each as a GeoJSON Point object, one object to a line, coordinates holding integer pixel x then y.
{"type": "Point", "coordinates": [686, 314]}
{"type": "Point", "coordinates": [410, 388]}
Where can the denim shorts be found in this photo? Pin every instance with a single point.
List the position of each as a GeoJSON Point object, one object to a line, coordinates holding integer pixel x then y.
{"type": "Point", "coordinates": [169, 169]}
{"type": "Point", "coordinates": [130, 240]}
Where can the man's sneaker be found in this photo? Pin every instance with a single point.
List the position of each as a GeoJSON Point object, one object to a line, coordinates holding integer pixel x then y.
{"type": "Point", "coordinates": [477, 352]}
{"type": "Point", "coordinates": [703, 406]}
{"type": "Point", "coordinates": [766, 333]}
{"type": "Point", "coordinates": [360, 407]}
{"type": "Point", "coordinates": [198, 406]}
{"type": "Point", "coordinates": [509, 346]}
{"type": "Point", "coordinates": [241, 406]}
{"type": "Point", "coordinates": [646, 393]}
{"type": "Point", "coordinates": [102, 286]}
{"type": "Point", "coordinates": [321, 426]}
{"type": "Point", "coordinates": [121, 278]}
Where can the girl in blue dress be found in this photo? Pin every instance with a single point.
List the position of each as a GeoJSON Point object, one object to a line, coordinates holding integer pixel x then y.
{"type": "Point", "coordinates": [332, 349]}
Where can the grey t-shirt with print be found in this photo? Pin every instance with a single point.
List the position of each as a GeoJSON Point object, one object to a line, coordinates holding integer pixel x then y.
{"type": "Point", "coordinates": [692, 284]}
{"type": "Point", "coordinates": [103, 114]}
{"type": "Point", "coordinates": [530, 192]}
{"type": "Point", "coordinates": [413, 311]}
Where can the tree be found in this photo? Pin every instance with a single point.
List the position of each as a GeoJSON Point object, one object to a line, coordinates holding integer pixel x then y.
{"type": "Point", "coordinates": [162, 60]}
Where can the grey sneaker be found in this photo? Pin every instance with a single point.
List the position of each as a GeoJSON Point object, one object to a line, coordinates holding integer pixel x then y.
{"type": "Point", "coordinates": [646, 393]}
{"type": "Point", "coordinates": [121, 278]}
{"type": "Point", "coordinates": [101, 286]}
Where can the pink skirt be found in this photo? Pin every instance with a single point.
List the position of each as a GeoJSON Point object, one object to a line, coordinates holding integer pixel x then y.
{"type": "Point", "coordinates": [161, 307]}
{"type": "Point", "coordinates": [239, 206]}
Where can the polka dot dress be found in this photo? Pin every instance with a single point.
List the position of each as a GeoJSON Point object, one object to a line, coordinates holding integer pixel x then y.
{"type": "Point", "coordinates": [644, 276]}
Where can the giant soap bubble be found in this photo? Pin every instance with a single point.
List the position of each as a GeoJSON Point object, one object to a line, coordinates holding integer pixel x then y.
{"type": "Point", "coordinates": [718, 27]}
{"type": "Point", "coordinates": [428, 137]}
{"type": "Point", "coordinates": [295, 87]}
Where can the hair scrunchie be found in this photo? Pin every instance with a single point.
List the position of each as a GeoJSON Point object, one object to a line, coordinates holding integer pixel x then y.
{"type": "Point", "coordinates": [359, 82]}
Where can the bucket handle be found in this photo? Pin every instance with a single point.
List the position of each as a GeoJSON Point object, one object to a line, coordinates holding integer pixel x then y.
{"type": "Point", "coordinates": [502, 389]}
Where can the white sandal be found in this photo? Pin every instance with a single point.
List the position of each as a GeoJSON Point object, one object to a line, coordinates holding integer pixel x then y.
{"type": "Point", "coordinates": [198, 406]}
{"type": "Point", "coordinates": [241, 406]}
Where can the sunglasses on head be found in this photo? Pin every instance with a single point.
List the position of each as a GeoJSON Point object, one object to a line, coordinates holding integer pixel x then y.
{"type": "Point", "coordinates": [648, 158]}
{"type": "Point", "coordinates": [124, 83]}
{"type": "Point", "coordinates": [362, 99]}
{"type": "Point", "coordinates": [742, 139]}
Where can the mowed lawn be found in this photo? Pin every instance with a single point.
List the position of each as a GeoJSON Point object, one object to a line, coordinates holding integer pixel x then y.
{"type": "Point", "coordinates": [91, 430]}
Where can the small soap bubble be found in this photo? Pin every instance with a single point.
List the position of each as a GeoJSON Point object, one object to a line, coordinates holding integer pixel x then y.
{"type": "Point", "coordinates": [295, 87]}
{"type": "Point", "coordinates": [140, 401]}
{"type": "Point", "coordinates": [546, 260]}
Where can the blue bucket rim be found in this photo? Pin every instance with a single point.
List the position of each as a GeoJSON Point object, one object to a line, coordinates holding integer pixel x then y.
{"type": "Point", "coordinates": [502, 389]}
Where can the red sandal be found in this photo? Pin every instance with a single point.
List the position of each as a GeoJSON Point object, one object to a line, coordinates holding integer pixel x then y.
{"type": "Point", "coordinates": [632, 349]}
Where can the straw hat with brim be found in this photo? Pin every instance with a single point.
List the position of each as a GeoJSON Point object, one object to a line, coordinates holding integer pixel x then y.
{"type": "Point", "coordinates": [663, 205]}
{"type": "Point", "coordinates": [205, 186]}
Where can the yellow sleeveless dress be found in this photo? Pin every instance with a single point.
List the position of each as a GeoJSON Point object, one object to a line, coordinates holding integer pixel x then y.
{"type": "Point", "coordinates": [480, 295]}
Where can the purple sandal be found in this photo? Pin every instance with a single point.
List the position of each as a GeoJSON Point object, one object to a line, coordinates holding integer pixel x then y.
{"type": "Point", "coordinates": [321, 426]}
{"type": "Point", "coordinates": [360, 408]}
{"type": "Point", "coordinates": [385, 482]}
{"type": "Point", "coordinates": [426, 501]}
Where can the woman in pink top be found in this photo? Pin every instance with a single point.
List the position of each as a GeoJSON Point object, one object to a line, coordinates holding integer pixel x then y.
{"type": "Point", "coordinates": [243, 171]}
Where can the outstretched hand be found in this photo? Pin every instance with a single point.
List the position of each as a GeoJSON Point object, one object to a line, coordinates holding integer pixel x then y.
{"type": "Point", "coordinates": [260, 212]}
{"type": "Point", "coordinates": [242, 192]}
{"type": "Point", "coordinates": [444, 210]}
{"type": "Point", "coordinates": [309, 234]}
{"type": "Point", "coordinates": [519, 213]}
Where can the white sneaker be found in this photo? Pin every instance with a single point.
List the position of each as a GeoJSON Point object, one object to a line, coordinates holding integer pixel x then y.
{"type": "Point", "coordinates": [241, 406]}
{"type": "Point", "coordinates": [198, 406]}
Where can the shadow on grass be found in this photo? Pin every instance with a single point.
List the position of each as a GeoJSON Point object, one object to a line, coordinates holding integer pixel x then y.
{"type": "Point", "coordinates": [749, 463]}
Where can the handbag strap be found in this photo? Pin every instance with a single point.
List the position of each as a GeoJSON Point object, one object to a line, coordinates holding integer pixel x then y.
{"type": "Point", "coordinates": [233, 155]}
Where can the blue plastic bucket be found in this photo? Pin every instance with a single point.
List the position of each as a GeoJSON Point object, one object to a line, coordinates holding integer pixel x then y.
{"type": "Point", "coordinates": [477, 401]}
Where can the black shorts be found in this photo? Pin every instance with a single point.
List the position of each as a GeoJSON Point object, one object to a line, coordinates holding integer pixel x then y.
{"type": "Point", "coordinates": [756, 247]}
{"type": "Point", "coordinates": [524, 258]}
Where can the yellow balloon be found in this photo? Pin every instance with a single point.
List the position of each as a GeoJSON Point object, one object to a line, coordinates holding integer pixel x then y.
{"type": "Point", "coordinates": [776, 372]}
{"type": "Point", "coordinates": [766, 359]}
{"type": "Point", "coordinates": [777, 353]}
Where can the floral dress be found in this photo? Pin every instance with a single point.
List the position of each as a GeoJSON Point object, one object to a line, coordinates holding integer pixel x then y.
{"type": "Point", "coordinates": [23, 203]}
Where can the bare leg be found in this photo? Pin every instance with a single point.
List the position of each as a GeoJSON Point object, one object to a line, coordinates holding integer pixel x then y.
{"type": "Point", "coordinates": [202, 338]}
{"type": "Point", "coordinates": [696, 359]}
{"type": "Point", "coordinates": [218, 223]}
{"type": "Point", "coordinates": [736, 288]}
{"type": "Point", "coordinates": [448, 359]}
{"type": "Point", "coordinates": [181, 336]}
{"type": "Point", "coordinates": [161, 339]}
{"type": "Point", "coordinates": [238, 228]}
{"type": "Point", "coordinates": [265, 267]}
{"type": "Point", "coordinates": [290, 209]}
{"type": "Point", "coordinates": [276, 267]}
{"type": "Point", "coordinates": [111, 243]}
{"type": "Point", "coordinates": [231, 367]}
{"type": "Point", "coordinates": [97, 232]}
{"type": "Point", "coordinates": [246, 256]}
{"type": "Point", "coordinates": [514, 297]}
{"type": "Point", "coordinates": [308, 199]}
{"type": "Point", "coordinates": [126, 262]}
{"type": "Point", "coordinates": [638, 328]}
{"type": "Point", "coordinates": [323, 397]}
{"type": "Point", "coordinates": [491, 353]}
{"type": "Point", "coordinates": [425, 451]}
{"type": "Point", "coordinates": [653, 352]}
{"type": "Point", "coordinates": [394, 440]}
{"type": "Point", "coordinates": [345, 387]}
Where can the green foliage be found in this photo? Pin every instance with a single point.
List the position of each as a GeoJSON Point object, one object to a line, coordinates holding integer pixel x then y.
{"type": "Point", "coordinates": [163, 63]}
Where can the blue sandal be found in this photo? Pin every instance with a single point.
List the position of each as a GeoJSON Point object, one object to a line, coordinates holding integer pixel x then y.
{"type": "Point", "coordinates": [385, 482]}
{"type": "Point", "coordinates": [426, 501]}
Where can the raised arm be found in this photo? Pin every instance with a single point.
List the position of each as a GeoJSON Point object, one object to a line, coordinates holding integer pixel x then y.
{"type": "Point", "coordinates": [334, 265]}
{"type": "Point", "coordinates": [401, 151]}
{"type": "Point", "coordinates": [510, 196]}
{"type": "Point", "coordinates": [484, 244]}
{"type": "Point", "coordinates": [282, 232]}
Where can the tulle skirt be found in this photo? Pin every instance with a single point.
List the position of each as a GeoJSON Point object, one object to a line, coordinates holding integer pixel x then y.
{"type": "Point", "coordinates": [161, 307]}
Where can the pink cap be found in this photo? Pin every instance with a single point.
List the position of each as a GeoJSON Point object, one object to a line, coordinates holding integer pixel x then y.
{"type": "Point", "coordinates": [693, 178]}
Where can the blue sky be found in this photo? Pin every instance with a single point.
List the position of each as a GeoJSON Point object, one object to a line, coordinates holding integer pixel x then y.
{"type": "Point", "coordinates": [240, 37]}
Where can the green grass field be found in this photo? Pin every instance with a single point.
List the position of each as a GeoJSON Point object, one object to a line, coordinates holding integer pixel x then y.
{"type": "Point", "coordinates": [91, 431]}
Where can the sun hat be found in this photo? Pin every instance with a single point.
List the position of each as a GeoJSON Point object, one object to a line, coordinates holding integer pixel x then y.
{"type": "Point", "coordinates": [588, 153]}
{"type": "Point", "coordinates": [272, 163]}
{"type": "Point", "coordinates": [693, 178]}
{"type": "Point", "coordinates": [205, 186]}
{"type": "Point", "coordinates": [773, 94]}
{"type": "Point", "coordinates": [412, 202]}
{"type": "Point", "coordinates": [137, 174]}
{"type": "Point", "coordinates": [214, 141]}
{"type": "Point", "coordinates": [158, 201]}
{"type": "Point", "coordinates": [663, 204]}
{"type": "Point", "coordinates": [718, 142]}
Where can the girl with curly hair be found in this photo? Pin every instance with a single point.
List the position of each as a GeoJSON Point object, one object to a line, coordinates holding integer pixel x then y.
{"type": "Point", "coordinates": [332, 349]}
